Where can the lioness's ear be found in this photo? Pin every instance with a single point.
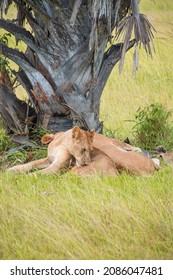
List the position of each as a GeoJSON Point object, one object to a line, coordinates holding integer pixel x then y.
{"type": "Point", "coordinates": [47, 138]}
{"type": "Point", "coordinates": [91, 134]}
{"type": "Point", "coordinates": [76, 132]}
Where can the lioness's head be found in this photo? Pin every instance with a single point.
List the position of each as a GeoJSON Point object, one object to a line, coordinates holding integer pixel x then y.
{"type": "Point", "coordinates": [81, 147]}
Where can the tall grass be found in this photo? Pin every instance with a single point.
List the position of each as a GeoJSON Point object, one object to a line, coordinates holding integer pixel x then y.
{"type": "Point", "coordinates": [125, 217]}
{"type": "Point", "coordinates": [67, 217]}
{"type": "Point", "coordinates": [123, 94]}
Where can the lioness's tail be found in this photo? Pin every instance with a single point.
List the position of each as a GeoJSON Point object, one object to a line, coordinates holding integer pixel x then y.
{"type": "Point", "coordinates": [47, 138]}
{"type": "Point", "coordinates": [156, 162]}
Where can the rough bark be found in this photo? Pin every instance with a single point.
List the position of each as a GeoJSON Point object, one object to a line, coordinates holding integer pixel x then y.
{"type": "Point", "coordinates": [14, 111]}
{"type": "Point", "coordinates": [65, 67]}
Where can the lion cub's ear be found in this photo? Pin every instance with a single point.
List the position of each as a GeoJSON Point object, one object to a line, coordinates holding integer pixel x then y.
{"type": "Point", "coordinates": [76, 132]}
{"type": "Point", "coordinates": [91, 134]}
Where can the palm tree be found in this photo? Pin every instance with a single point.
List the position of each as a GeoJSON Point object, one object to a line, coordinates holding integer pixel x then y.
{"type": "Point", "coordinates": [67, 60]}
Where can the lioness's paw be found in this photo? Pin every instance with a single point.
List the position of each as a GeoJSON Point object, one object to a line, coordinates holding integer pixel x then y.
{"type": "Point", "coordinates": [16, 169]}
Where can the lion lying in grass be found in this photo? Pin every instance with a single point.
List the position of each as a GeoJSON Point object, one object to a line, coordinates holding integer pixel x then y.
{"type": "Point", "coordinates": [100, 164]}
{"type": "Point", "coordinates": [111, 155]}
{"type": "Point", "coordinates": [94, 153]}
{"type": "Point", "coordinates": [125, 158]}
{"type": "Point", "coordinates": [66, 146]}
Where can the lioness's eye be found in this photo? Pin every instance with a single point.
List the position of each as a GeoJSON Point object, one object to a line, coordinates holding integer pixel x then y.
{"type": "Point", "coordinates": [83, 150]}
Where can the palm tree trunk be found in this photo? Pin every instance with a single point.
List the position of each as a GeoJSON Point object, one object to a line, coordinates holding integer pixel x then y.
{"type": "Point", "coordinates": [65, 67]}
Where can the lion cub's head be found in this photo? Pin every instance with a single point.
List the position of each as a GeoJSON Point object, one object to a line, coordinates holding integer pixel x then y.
{"type": "Point", "coordinates": [81, 147]}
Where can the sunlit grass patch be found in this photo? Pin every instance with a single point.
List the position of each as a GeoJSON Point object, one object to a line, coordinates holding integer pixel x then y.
{"type": "Point", "coordinates": [68, 217]}
{"type": "Point", "coordinates": [123, 94]}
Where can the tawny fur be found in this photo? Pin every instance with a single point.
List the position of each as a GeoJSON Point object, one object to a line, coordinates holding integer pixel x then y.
{"type": "Point", "coordinates": [100, 164]}
{"type": "Point", "coordinates": [109, 156]}
{"type": "Point", "coordinates": [168, 157]}
{"type": "Point", "coordinates": [123, 156]}
{"type": "Point", "coordinates": [129, 161]}
{"type": "Point", "coordinates": [74, 143]}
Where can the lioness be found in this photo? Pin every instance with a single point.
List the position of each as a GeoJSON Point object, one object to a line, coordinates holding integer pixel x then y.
{"type": "Point", "coordinates": [100, 164]}
{"type": "Point", "coordinates": [130, 161]}
{"type": "Point", "coordinates": [168, 157]}
{"type": "Point", "coordinates": [122, 156]}
{"type": "Point", "coordinates": [74, 143]}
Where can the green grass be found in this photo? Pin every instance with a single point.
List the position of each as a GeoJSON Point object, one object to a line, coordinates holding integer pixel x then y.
{"type": "Point", "coordinates": [123, 94]}
{"type": "Point", "coordinates": [125, 217]}
{"type": "Point", "coordinates": [67, 217]}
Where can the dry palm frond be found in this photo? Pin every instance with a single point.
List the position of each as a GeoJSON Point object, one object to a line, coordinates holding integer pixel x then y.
{"type": "Point", "coordinates": [117, 7]}
{"type": "Point", "coordinates": [143, 34]}
{"type": "Point", "coordinates": [20, 16]}
{"type": "Point", "coordinates": [75, 11]}
{"type": "Point", "coordinates": [4, 5]}
{"type": "Point", "coordinates": [101, 9]}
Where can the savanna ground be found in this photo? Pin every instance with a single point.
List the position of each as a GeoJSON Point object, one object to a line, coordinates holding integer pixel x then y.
{"type": "Point", "coordinates": [125, 217]}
